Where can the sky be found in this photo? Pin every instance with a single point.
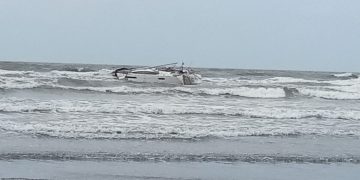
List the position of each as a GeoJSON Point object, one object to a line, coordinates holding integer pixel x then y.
{"type": "Point", "coordinates": [321, 35]}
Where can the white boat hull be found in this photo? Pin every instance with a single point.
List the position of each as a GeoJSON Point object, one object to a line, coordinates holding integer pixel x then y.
{"type": "Point", "coordinates": [153, 75]}
{"type": "Point", "coordinates": [144, 78]}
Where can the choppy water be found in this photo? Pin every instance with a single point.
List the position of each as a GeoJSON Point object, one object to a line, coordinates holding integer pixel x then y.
{"type": "Point", "coordinates": [243, 110]}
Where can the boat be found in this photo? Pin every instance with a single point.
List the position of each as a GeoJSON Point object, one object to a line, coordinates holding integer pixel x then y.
{"type": "Point", "coordinates": [164, 74]}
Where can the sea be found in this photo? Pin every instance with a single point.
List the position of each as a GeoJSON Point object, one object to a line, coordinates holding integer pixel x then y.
{"type": "Point", "coordinates": [76, 121]}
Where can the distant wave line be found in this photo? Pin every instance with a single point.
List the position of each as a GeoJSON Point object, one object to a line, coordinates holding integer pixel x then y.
{"type": "Point", "coordinates": [164, 157]}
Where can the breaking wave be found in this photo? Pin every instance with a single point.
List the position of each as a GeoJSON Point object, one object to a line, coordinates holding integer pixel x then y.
{"type": "Point", "coordinates": [103, 74]}
{"type": "Point", "coordinates": [268, 81]}
{"type": "Point", "coordinates": [346, 75]}
{"type": "Point", "coordinates": [118, 120]}
{"type": "Point", "coordinates": [78, 69]}
{"type": "Point", "coordinates": [164, 157]}
{"type": "Point", "coordinates": [159, 108]}
{"type": "Point", "coordinates": [260, 92]}
{"type": "Point", "coordinates": [102, 81]}
{"type": "Point", "coordinates": [252, 92]}
{"type": "Point", "coordinates": [81, 131]}
{"type": "Point", "coordinates": [331, 94]}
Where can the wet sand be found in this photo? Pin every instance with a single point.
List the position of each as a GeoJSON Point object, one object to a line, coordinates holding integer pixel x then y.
{"type": "Point", "coordinates": [174, 170]}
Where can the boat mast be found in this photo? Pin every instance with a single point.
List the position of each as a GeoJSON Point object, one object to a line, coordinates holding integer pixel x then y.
{"type": "Point", "coordinates": [160, 65]}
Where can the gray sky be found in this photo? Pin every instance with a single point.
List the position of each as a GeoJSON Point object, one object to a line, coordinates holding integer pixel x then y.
{"type": "Point", "coordinates": [256, 34]}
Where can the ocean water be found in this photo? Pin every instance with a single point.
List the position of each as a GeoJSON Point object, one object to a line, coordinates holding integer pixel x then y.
{"type": "Point", "coordinates": [54, 116]}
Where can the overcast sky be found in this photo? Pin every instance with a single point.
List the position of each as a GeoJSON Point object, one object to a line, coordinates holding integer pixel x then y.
{"type": "Point", "coordinates": [256, 34]}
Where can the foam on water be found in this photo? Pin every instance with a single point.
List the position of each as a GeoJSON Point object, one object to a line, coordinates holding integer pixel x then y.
{"type": "Point", "coordinates": [339, 89]}
{"type": "Point", "coordinates": [258, 92]}
{"type": "Point", "coordinates": [151, 128]}
{"type": "Point", "coordinates": [222, 106]}
{"type": "Point", "coordinates": [82, 114]}
{"type": "Point", "coordinates": [103, 74]}
{"type": "Point", "coordinates": [132, 107]}
{"type": "Point", "coordinates": [345, 75]}
{"type": "Point", "coordinates": [348, 89]}
{"type": "Point", "coordinates": [269, 81]}
{"type": "Point", "coordinates": [159, 120]}
{"type": "Point", "coordinates": [255, 92]}
{"type": "Point", "coordinates": [272, 87]}
{"type": "Point", "coordinates": [168, 157]}
{"type": "Point", "coordinates": [331, 94]}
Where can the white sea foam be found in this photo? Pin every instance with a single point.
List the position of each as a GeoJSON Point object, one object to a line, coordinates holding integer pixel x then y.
{"type": "Point", "coordinates": [258, 92]}
{"type": "Point", "coordinates": [117, 118]}
{"type": "Point", "coordinates": [341, 75]}
{"type": "Point", "coordinates": [276, 106]}
{"type": "Point", "coordinates": [119, 127]}
{"type": "Point", "coordinates": [288, 80]}
{"type": "Point", "coordinates": [236, 81]}
{"type": "Point", "coordinates": [265, 88]}
{"type": "Point", "coordinates": [31, 79]}
{"type": "Point", "coordinates": [339, 89]}
{"type": "Point", "coordinates": [330, 94]}
{"type": "Point", "coordinates": [103, 74]}
{"type": "Point", "coordinates": [19, 83]}
{"type": "Point", "coordinates": [161, 108]}
{"type": "Point", "coordinates": [29, 82]}
{"type": "Point", "coordinates": [8, 72]}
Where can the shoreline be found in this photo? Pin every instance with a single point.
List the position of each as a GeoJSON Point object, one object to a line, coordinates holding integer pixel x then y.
{"type": "Point", "coordinates": [27, 169]}
{"type": "Point", "coordinates": [304, 149]}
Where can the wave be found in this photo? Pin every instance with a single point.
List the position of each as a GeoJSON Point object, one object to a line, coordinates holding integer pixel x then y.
{"type": "Point", "coordinates": [131, 120]}
{"type": "Point", "coordinates": [338, 90]}
{"type": "Point", "coordinates": [281, 81]}
{"type": "Point", "coordinates": [268, 81]}
{"type": "Point", "coordinates": [102, 81]}
{"type": "Point", "coordinates": [84, 73]}
{"type": "Point", "coordinates": [331, 92]}
{"type": "Point", "coordinates": [103, 74]}
{"type": "Point", "coordinates": [78, 69]}
{"type": "Point", "coordinates": [251, 92]}
{"type": "Point", "coordinates": [345, 75]}
{"type": "Point", "coordinates": [348, 89]}
{"type": "Point", "coordinates": [81, 131]}
{"type": "Point", "coordinates": [257, 92]}
{"type": "Point", "coordinates": [158, 108]}
{"type": "Point", "coordinates": [167, 157]}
